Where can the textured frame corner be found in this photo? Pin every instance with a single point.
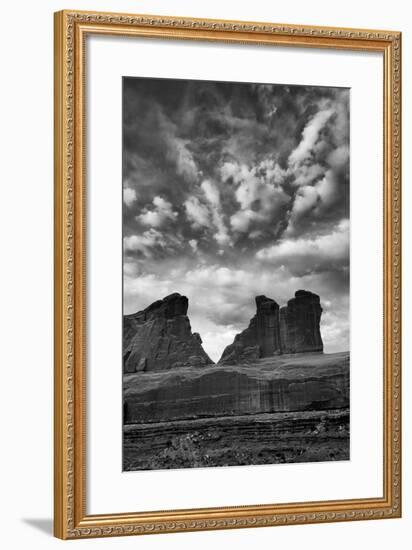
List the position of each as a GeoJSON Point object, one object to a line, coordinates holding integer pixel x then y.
{"type": "Point", "coordinates": [70, 518]}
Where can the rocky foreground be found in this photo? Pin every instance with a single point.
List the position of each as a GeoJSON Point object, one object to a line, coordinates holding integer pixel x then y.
{"type": "Point", "coordinates": [311, 436]}
{"type": "Point", "coordinates": [289, 408]}
{"type": "Point", "coordinates": [272, 397]}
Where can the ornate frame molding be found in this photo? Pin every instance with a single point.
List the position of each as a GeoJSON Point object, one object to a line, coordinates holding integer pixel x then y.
{"type": "Point", "coordinates": [71, 520]}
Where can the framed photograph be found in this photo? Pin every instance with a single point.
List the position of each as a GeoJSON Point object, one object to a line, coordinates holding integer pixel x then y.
{"type": "Point", "coordinates": [227, 274]}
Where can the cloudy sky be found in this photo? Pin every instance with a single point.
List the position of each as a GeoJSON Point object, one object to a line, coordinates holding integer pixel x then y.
{"type": "Point", "coordinates": [231, 190]}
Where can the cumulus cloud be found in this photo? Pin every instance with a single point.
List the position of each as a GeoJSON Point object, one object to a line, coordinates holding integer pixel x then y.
{"type": "Point", "coordinates": [338, 158]}
{"type": "Point", "coordinates": [310, 135]}
{"type": "Point", "coordinates": [197, 213]}
{"type": "Point", "coordinates": [212, 195]}
{"type": "Point", "coordinates": [308, 255]}
{"type": "Point", "coordinates": [311, 202]}
{"type": "Point", "coordinates": [327, 189]}
{"type": "Point", "coordinates": [185, 164]}
{"type": "Point", "coordinates": [258, 192]}
{"type": "Point", "coordinates": [157, 216]}
{"type": "Point", "coordinates": [305, 201]}
{"type": "Point", "coordinates": [319, 166]}
{"type": "Point", "coordinates": [241, 220]}
{"type": "Point", "coordinates": [193, 244]}
{"type": "Point", "coordinates": [129, 196]}
{"type": "Point", "coordinates": [145, 242]}
{"type": "Point", "coordinates": [306, 174]}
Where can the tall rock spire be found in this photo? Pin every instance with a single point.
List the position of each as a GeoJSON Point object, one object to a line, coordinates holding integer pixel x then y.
{"type": "Point", "coordinates": [160, 338]}
{"type": "Point", "coordinates": [300, 323]}
{"type": "Point", "coordinates": [294, 328]}
{"type": "Point", "coordinates": [260, 339]}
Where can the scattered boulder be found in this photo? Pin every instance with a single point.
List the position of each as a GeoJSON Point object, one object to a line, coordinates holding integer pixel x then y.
{"type": "Point", "coordinates": [160, 338]}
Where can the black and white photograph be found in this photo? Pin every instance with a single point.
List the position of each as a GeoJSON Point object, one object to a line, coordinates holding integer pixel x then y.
{"type": "Point", "coordinates": [236, 273]}
{"type": "Point", "coordinates": [203, 252]}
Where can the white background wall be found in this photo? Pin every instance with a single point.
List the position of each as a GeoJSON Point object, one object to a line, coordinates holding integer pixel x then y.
{"type": "Point", "coordinates": [26, 130]}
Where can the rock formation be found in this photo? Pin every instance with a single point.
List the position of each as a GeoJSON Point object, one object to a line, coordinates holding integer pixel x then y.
{"type": "Point", "coordinates": [294, 328]}
{"type": "Point", "coordinates": [160, 338]}
{"type": "Point", "coordinates": [260, 339]}
{"type": "Point", "coordinates": [300, 324]}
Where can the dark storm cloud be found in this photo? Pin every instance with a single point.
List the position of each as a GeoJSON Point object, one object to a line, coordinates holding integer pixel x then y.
{"type": "Point", "coordinates": [226, 180]}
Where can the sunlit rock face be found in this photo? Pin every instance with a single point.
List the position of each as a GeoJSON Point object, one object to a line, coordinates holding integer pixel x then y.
{"type": "Point", "coordinates": [294, 328]}
{"type": "Point", "coordinates": [260, 339]}
{"type": "Point", "coordinates": [300, 324]}
{"type": "Point", "coordinates": [160, 338]}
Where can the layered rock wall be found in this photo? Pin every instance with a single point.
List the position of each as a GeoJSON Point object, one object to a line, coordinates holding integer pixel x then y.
{"type": "Point", "coordinates": [293, 383]}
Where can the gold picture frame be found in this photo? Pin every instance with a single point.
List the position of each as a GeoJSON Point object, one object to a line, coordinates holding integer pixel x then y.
{"type": "Point", "coordinates": [70, 518]}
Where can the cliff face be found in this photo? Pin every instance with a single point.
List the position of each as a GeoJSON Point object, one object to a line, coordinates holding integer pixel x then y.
{"type": "Point", "coordinates": [300, 323]}
{"type": "Point", "coordinates": [160, 338]}
{"type": "Point", "coordinates": [302, 382]}
{"type": "Point", "coordinates": [294, 328]}
{"type": "Point", "coordinates": [260, 339]}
